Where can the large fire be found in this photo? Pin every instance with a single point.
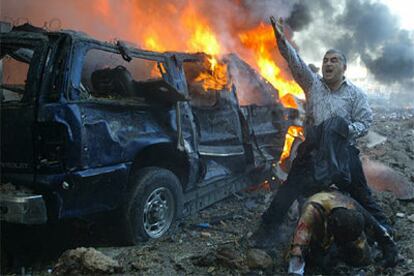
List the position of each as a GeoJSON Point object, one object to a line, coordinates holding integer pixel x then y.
{"type": "Point", "coordinates": [215, 28]}
{"type": "Point", "coordinates": [199, 35]}
{"type": "Point", "coordinates": [167, 28]}
{"type": "Point", "coordinates": [262, 41]}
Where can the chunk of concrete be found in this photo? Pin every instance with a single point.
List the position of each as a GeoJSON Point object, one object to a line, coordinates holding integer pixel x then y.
{"type": "Point", "coordinates": [374, 139]}
{"type": "Point", "coordinates": [85, 261]}
{"type": "Point", "coordinates": [258, 259]}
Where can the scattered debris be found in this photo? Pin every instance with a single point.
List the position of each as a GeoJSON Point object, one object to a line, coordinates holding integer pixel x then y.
{"type": "Point", "coordinates": [373, 139]}
{"type": "Point", "coordinates": [191, 254]}
{"type": "Point", "coordinates": [230, 257]}
{"type": "Point", "coordinates": [206, 260]}
{"type": "Point", "coordinates": [400, 215]}
{"type": "Point", "coordinates": [205, 234]}
{"type": "Point", "coordinates": [258, 259]}
{"type": "Point", "coordinates": [85, 261]}
{"type": "Point", "coordinates": [208, 226]}
{"type": "Point", "coordinates": [227, 257]}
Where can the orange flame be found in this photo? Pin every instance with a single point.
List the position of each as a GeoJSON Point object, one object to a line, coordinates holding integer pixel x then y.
{"type": "Point", "coordinates": [197, 34]}
{"type": "Point", "coordinates": [292, 133]}
{"type": "Point", "coordinates": [216, 77]}
{"type": "Point", "coordinates": [262, 41]}
{"type": "Point", "coordinates": [153, 43]}
{"type": "Point", "coordinates": [213, 27]}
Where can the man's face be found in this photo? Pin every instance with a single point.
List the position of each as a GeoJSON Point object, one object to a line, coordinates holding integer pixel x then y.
{"type": "Point", "coordinates": [333, 68]}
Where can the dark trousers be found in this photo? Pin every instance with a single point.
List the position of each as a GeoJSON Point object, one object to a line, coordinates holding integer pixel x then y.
{"type": "Point", "coordinates": [300, 182]}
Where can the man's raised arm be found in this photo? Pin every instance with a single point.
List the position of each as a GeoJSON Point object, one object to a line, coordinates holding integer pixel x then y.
{"type": "Point", "coordinates": [300, 71]}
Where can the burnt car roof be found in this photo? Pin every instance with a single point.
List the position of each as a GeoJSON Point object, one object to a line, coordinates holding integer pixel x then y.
{"type": "Point", "coordinates": [78, 35]}
{"type": "Point", "coordinates": [82, 36]}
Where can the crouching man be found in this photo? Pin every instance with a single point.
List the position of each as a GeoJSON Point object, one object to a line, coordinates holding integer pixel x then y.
{"type": "Point", "coordinates": [333, 226]}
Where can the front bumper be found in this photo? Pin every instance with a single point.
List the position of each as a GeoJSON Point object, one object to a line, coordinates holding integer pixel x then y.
{"type": "Point", "coordinates": [23, 209]}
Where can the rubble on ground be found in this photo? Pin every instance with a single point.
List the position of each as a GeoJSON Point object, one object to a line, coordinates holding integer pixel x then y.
{"type": "Point", "coordinates": [221, 248]}
{"type": "Point", "coordinates": [258, 259]}
{"type": "Point", "coordinates": [85, 261]}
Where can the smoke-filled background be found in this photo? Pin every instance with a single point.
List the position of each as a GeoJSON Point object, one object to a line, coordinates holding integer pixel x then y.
{"type": "Point", "coordinates": [369, 34]}
{"type": "Point", "coordinates": [379, 50]}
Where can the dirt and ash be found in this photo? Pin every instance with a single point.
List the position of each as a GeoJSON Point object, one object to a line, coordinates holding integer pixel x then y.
{"type": "Point", "coordinates": [214, 242]}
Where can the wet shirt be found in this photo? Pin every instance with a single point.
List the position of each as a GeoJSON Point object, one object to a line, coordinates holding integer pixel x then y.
{"type": "Point", "coordinates": [348, 101]}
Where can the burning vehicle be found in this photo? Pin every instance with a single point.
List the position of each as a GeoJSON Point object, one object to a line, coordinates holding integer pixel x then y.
{"type": "Point", "coordinates": [91, 127]}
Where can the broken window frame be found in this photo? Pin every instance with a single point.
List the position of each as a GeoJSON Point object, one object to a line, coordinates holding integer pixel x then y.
{"type": "Point", "coordinates": [220, 96]}
{"type": "Point", "coordinates": [79, 54]}
{"type": "Point", "coordinates": [35, 71]}
{"type": "Point", "coordinates": [56, 64]}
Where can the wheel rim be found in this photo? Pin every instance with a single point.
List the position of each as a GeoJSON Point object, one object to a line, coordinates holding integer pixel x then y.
{"type": "Point", "coordinates": [158, 212]}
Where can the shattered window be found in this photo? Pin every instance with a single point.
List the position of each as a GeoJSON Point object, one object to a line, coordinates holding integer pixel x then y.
{"type": "Point", "coordinates": [203, 87]}
{"type": "Point", "coordinates": [14, 68]}
{"type": "Point", "coordinates": [107, 75]}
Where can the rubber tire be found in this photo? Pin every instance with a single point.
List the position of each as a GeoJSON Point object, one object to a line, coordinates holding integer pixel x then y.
{"type": "Point", "coordinates": [143, 182]}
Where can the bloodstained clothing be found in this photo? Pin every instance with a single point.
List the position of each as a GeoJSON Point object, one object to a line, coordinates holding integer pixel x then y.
{"type": "Point", "coordinates": [312, 236]}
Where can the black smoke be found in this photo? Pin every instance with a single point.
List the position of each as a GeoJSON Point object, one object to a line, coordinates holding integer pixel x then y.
{"type": "Point", "coordinates": [300, 17]}
{"type": "Point", "coordinates": [360, 28]}
{"type": "Point", "coordinates": [396, 60]}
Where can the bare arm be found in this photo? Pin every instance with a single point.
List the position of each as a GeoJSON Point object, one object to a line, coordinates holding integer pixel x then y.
{"type": "Point", "coordinates": [302, 238]}
{"type": "Point", "coordinates": [300, 70]}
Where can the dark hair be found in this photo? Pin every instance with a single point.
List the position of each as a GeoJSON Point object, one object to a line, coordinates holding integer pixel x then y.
{"type": "Point", "coordinates": [345, 225]}
{"type": "Point", "coordinates": [338, 52]}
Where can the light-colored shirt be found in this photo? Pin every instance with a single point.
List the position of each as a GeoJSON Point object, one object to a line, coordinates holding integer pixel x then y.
{"type": "Point", "coordinates": [348, 101]}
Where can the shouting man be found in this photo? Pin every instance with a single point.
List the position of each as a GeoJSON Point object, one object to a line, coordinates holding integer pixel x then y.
{"type": "Point", "coordinates": [327, 97]}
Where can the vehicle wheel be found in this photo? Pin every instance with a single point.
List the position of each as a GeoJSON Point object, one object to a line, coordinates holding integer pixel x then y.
{"type": "Point", "coordinates": [155, 202]}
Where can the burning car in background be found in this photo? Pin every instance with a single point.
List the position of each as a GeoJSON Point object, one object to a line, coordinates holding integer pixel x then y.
{"type": "Point", "coordinates": [91, 127]}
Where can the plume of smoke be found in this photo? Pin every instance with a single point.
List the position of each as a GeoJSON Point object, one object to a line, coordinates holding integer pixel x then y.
{"type": "Point", "coordinates": [360, 28]}
{"type": "Point", "coordinates": [395, 62]}
{"type": "Point", "coordinates": [106, 19]}
{"type": "Point", "coordinates": [300, 17]}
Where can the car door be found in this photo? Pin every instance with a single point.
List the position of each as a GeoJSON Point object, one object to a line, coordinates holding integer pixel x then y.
{"type": "Point", "coordinates": [218, 127]}
{"type": "Point", "coordinates": [22, 62]}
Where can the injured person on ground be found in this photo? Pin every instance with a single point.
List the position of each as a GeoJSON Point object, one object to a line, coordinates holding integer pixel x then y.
{"type": "Point", "coordinates": [332, 227]}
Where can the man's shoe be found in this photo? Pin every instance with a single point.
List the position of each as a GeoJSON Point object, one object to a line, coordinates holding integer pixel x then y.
{"type": "Point", "coordinates": [264, 237]}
